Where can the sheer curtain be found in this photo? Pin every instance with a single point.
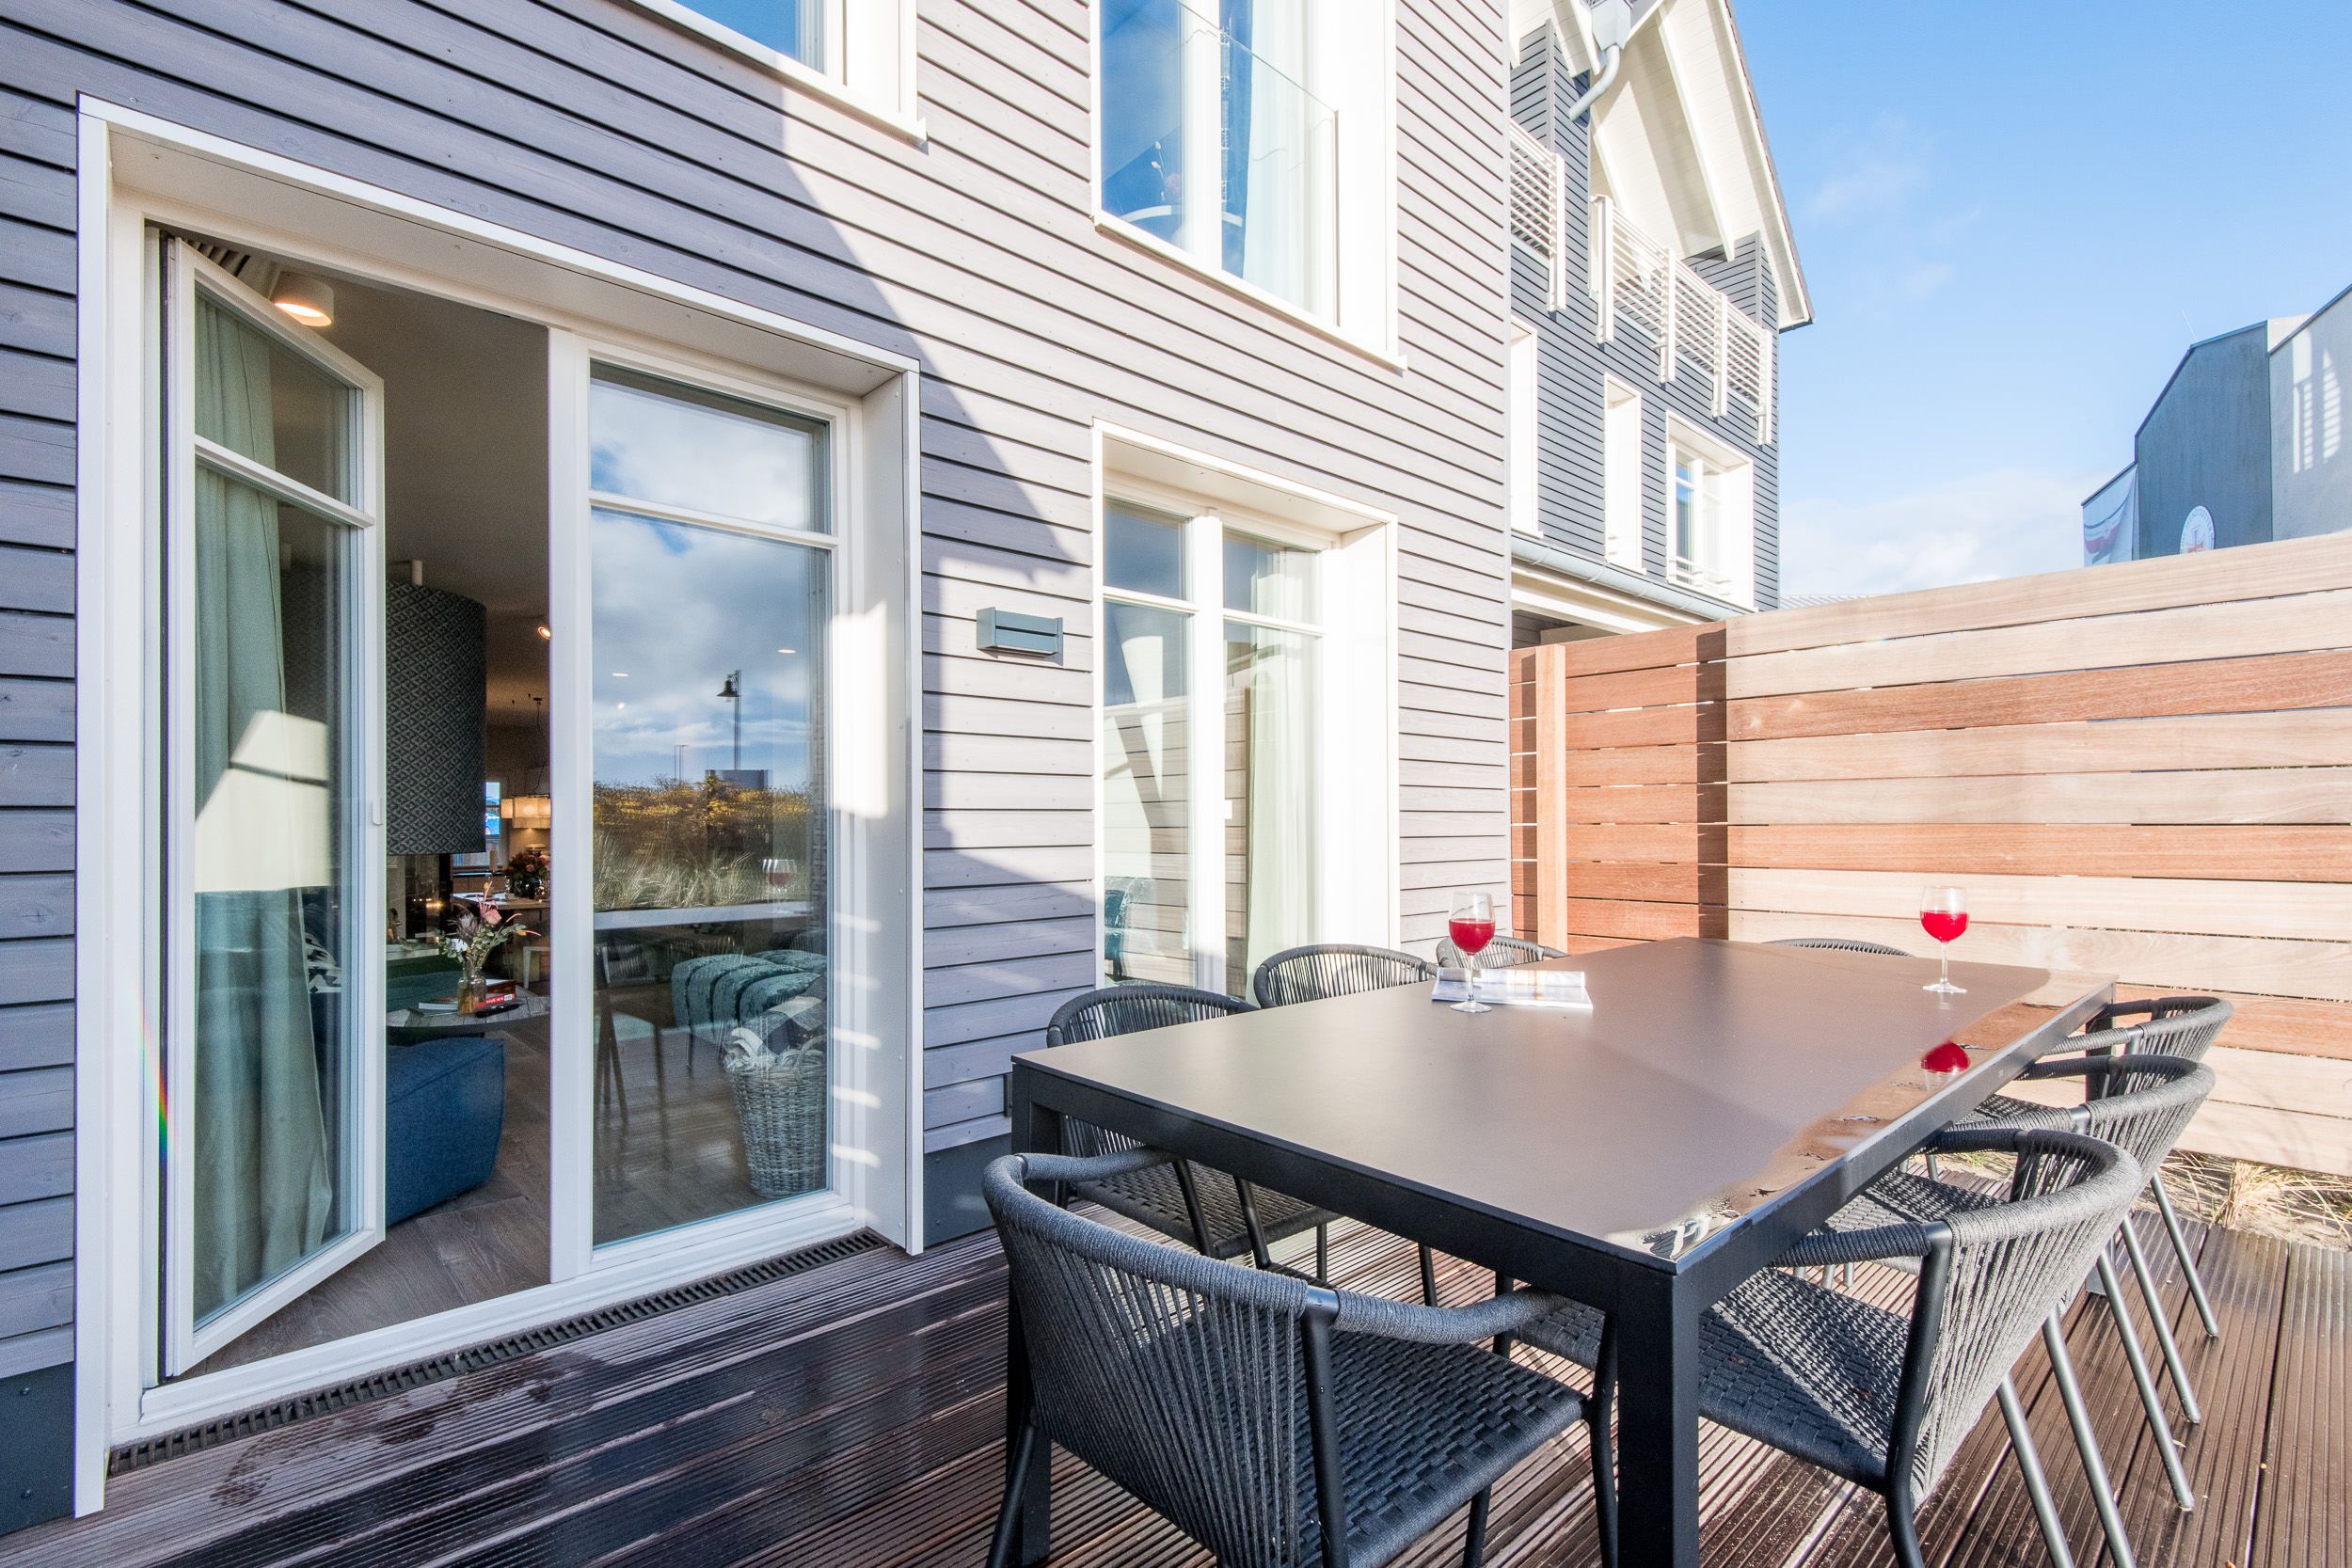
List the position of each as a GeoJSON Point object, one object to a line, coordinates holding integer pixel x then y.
{"type": "Point", "coordinates": [1277, 158]}
{"type": "Point", "coordinates": [264, 1192]}
{"type": "Point", "coordinates": [1273, 680]}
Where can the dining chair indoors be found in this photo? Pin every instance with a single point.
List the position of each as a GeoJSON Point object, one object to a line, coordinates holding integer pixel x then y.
{"type": "Point", "coordinates": [1277, 1422]}
{"type": "Point", "coordinates": [1883, 1398]}
{"type": "Point", "coordinates": [1221, 1216]}
{"type": "Point", "coordinates": [1499, 953]}
{"type": "Point", "coordinates": [2185, 1026]}
{"type": "Point", "coordinates": [1334, 968]}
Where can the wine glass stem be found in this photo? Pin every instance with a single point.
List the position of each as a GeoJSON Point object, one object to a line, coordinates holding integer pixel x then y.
{"type": "Point", "coordinates": [1947, 957]}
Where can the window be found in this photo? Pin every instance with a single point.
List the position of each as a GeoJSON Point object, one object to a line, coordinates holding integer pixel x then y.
{"type": "Point", "coordinates": [1521, 403]}
{"type": "Point", "coordinates": [862, 49]}
{"type": "Point", "coordinates": [1212, 676]}
{"type": "Point", "coordinates": [1248, 136]}
{"type": "Point", "coordinates": [1621, 477]}
{"type": "Point", "coordinates": [1711, 518]}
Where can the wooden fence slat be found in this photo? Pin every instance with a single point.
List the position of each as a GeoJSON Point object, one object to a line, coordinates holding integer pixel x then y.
{"type": "Point", "coordinates": [1551, 788]}
{"type": "Point", "coordinates": [2210, 797]}
{"type": "Point", "coordinates": [1647, 726]}
{"type": "Point", "coordinates": [2243, 571]}
{"type": "Point", "coordinates": [1643, 650]}
{"type": "Point", "coordinates": [2306, 738]}
{"type": "Point", "coordinates": [1960, 850]}
{"type": "Point", "coordinates": [1674, 803]}
{"type": "Point", "coordinates": [2295, 623]}
{"type": "Point", "coordinates": [2287, 1024]}
{"type": "Point", "coordinates": [1632, 689]}
{"type": "Point", "coordinates": [2302, 911]}
{"type": "Point", "coordinates": [2216, 685]}
{"type": "Point", "coordinates": [1650, 884]}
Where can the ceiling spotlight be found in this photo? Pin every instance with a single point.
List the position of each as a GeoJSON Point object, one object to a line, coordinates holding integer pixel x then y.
{"type": "Point", "coordinates": [305, 299]}
{"type": "Point", "coordinates": [545, 634]}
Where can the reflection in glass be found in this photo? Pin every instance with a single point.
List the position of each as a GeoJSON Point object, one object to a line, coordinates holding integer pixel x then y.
{"type": "Point", "coordinates": [672, 445]}
{"type": "Point", "coordinates": [270, 1121]}
{"type": "Point", "coordinates": [1270, 788]}
{"type": "Point", "coordinates": [1143, 552]}
{"type": "Point", "coordinates": [1145, 45]}
{"type": "Point", "coordinates": [1268, 579]}
{"type": "Point", "coordinates": [1146, 757]}
{"type": "Point", "coordinates": [794, 27]}
{"type": "Point", "coordinates": [262, 401]}
{"type": "Point", "coordinates": [711, 870]}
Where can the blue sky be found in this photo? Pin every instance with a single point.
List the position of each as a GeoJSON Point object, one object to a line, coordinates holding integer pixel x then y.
{"type": "Point", "coordinates": [2013, 218]}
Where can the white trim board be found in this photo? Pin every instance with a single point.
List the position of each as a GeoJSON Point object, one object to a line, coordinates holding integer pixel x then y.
{"type": "Point", "coordinates": [135, 169]}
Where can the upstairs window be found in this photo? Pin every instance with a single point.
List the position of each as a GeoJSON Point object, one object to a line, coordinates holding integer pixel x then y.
{"type": "Point", "coordinates": [857, 49]}
{"type": "Point", "coordinates": [1240, 133]}
{"type": "Point", "coordinates": [1711, 517]}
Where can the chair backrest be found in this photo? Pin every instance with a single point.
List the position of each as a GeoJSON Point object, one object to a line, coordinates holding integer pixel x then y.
{"type": "Point", "coordinates": [2141, 1104]}
{"type": "Point", "coordinates": [1499, 953]}
{"type": "Point", "coordinates": [2161, 1026]}
{"type": "Point", "coordinates": [1841, 945]}
{"type": "Point", "coordinates": [1334, 968]}
{"type": "Point", "coordinates": [1179, 1377]}
{"type": "Point", "coordinates": [2009, 1266]}
{"type": "Point", "coordinates": [1123, 1010]}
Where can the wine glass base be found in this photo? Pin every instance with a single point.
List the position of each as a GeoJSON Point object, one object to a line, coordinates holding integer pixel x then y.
{"type": "Point", "coordinates": [1472, 1007]}
{"type": "Point", "coordinates": [1944, 988]}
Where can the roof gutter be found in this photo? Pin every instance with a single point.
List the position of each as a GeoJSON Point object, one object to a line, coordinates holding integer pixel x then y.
{"type": "Point", "coordinates": [1614, 26]}
{"type": "Point", "coordinates": [1551, 558]}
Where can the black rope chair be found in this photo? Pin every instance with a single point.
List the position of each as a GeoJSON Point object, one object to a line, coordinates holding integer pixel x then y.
{"type": "Point", "coordinates": [1499, 953]}
{"type": "Point", "coordinates": [1277, 1422]}
{"type": "Point", "coordinates": [1881, 1398]}
{"type": "Point", "coordinates": [1334, 968]}
{"type": "Point", "coordinates": [1841, 945]}
{"type": "Point", "coordinates": [1221, 1215]}
{"type": "Point", "coordinates": [2183, 1027]}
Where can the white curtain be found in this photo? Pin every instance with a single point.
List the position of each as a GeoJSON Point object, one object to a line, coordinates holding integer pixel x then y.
{"type": "Point", "coordinates": [1272, 680]}
{"type": "Point", "coordinates": [1278, 167]}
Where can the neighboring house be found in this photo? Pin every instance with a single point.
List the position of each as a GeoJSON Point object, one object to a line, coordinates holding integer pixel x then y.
{"type": "Point", "coordinates": [1653, 271]}
{"type": "Point", "coordinates": [2244, 444]}
{"type": "Point", "coordinates": [668, 432]}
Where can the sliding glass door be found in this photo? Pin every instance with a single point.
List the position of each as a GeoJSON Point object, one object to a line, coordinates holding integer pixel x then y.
{"type": "Point", "coordinates": [272, 1078]}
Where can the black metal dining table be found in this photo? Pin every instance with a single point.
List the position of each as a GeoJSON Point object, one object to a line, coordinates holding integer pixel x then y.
{"type": "Point", "coordinates": [1717, 1102]}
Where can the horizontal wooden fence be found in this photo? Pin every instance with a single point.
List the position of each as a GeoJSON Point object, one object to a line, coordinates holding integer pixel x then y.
{"type": "Point", "coordinates": [2142, 770]}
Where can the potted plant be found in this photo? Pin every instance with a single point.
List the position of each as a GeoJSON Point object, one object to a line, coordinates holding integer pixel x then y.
{"type": "Point", "coordinates": [527, 873]}
{"type": "Point", "coordinates": [477, 933]}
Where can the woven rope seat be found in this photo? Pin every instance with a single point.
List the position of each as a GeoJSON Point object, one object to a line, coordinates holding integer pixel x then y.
{"type": "Point", "coordinates": [1499, 953]}
{"type": "Point", "coordinates": [1841, 945]}
{"type": "Point", "coordinates": [1334, 968]}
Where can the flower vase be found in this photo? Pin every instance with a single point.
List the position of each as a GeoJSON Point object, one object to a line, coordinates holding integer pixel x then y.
{"type": "Point", "coordinates": [471, 993]}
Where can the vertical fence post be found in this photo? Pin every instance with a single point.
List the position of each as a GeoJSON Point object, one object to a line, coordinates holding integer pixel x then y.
{"type": "Point", "coordinates": [1551, 795]}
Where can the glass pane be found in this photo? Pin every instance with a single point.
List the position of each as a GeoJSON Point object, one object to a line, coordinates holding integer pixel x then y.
{"type": "Point", "coordinates": [1268, 579]}
{"type": "Point", "coordinates": [1146, 44]}
{"type": "Point", "coordinates": [262, 401]}
{"type": "Point", "coordinates": [1688, 500]}
{"type": "Point", "coordinates": [711, 869]}
{"type": "Point", "coordinates": [1280, 204]}
{"type": "Point", "coordinates": [1146, 858]}
{"type": "Point", "coordinates": [1143, 552]}
{"type": "Point", "coordinates": [269, 1124]}
{"type": "Point", "coordinates": [655, 441]}
{"type": "Point", "coordinates": [1269, 796]}
{"type": "Point", "coordinates": [794, 27]}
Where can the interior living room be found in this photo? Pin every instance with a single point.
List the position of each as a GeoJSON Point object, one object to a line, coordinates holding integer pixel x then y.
{"type": "Point", "coordinates": [704, 778]}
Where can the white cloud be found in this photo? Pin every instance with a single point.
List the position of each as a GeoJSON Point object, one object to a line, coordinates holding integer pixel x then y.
{"type": "Point", "coordinates": [1878, 173]}
{"type": "Point", "coordinates": [2006, 523]}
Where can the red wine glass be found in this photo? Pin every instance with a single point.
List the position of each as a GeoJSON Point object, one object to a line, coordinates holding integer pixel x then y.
{"type": "Point", "coordinates": [1944, 915]}
{"type": "Point", "coordinates": [1472, 926]}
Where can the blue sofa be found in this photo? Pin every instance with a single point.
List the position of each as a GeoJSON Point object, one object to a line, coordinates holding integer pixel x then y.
{"type": "Point", "coordinates": [445, 1107]}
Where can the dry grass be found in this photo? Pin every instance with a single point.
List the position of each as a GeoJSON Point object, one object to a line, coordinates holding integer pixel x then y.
{"type": "Point", "coordinates": [2263, 1200]}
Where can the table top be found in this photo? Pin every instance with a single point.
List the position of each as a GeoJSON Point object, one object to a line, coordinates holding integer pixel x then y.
{"type": "Point", "coordinates": [1708, 1079]}
{"type": "Point", "coordinates": [417, 1022]}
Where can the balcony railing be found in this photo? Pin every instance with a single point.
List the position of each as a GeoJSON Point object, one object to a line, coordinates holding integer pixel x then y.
{"type": "Point", "coordinates": [1695, 329]}
{"type": "Point", "coordinates": [1539, 199]}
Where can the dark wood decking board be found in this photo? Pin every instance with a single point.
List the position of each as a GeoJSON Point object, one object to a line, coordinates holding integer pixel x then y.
{"type": "Point", "coordinates": [852, 1416]}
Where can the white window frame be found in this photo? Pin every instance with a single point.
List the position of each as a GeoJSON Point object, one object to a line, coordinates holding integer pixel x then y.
{"type": "Point", "coordinates": [1726, 570]}
{"type": "Point", "coordinates": [1522, 402]}
{"type": "Point", "coordinates": [1355, 747]}
{"type": "Point", "coordinates": [138, 170]}
{"type": "Point", "coordinates": [869, 55]}
{"type": "Point", "coordinates": [1622, 481]}
{"type": "Point", "coordinates": [1355, 67]}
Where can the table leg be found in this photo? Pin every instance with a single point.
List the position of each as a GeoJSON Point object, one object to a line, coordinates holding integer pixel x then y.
{"type": "Point", "coordinates": [1035, 1130]}
{"type": "Point", "coordinates": [1658, 1424]}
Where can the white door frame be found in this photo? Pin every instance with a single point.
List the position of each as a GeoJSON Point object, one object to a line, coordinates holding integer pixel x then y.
{"type": "Point", "coordinates": [135, 169]}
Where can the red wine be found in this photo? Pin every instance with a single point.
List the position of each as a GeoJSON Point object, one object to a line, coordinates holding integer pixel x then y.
{"type": "Point", "coordinates": [1947, 1057]}
{"type": "Point", "coordinates": [1471, 936]}
{"type": "Point", "coordinates": [1944, 925]}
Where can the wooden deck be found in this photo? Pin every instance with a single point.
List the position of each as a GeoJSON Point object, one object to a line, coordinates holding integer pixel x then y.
{"type": "Point", "coordinates": [850, 1418]}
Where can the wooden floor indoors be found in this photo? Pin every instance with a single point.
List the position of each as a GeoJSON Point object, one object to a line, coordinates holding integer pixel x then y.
{"type": "Point", "coordinates": [849, 1417]}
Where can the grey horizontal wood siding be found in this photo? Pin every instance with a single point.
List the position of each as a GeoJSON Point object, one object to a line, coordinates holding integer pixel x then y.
{"type": "Point", "coordinates": [593, 123]}
{"type": "Point", "coordinates": [1572, 366]}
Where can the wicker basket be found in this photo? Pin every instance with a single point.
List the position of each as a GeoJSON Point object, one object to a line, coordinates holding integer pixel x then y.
{"type": "Point", "coordinates": [781, 1102]}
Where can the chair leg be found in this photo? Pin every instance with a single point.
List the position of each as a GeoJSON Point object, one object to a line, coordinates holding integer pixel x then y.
{"type": "Point", "coordinates": [2165, 1345]}
{"type": "Point", "coordinates": [1604, 1446]}
{"type": "Point", "coordinates": [2188, 1258]}
{"type": "Point", "coordinates": [1474, 1538]}
{"type": "Point", "coordinates": [2036, 1484]}
{"type": "Point", "coordinates": [1903, 1528]}
{"type": "Point", "coordinates": [1323, 1254]}
{"type": "Point", "coordinates": [1428, 1277]}
{"type": "Point", "coordinates": [2087, 1443]}
{"type": "Point", "coordinates": [1008, 1513]}
{"type": "Point", "coordinates": [2149, 1399]}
